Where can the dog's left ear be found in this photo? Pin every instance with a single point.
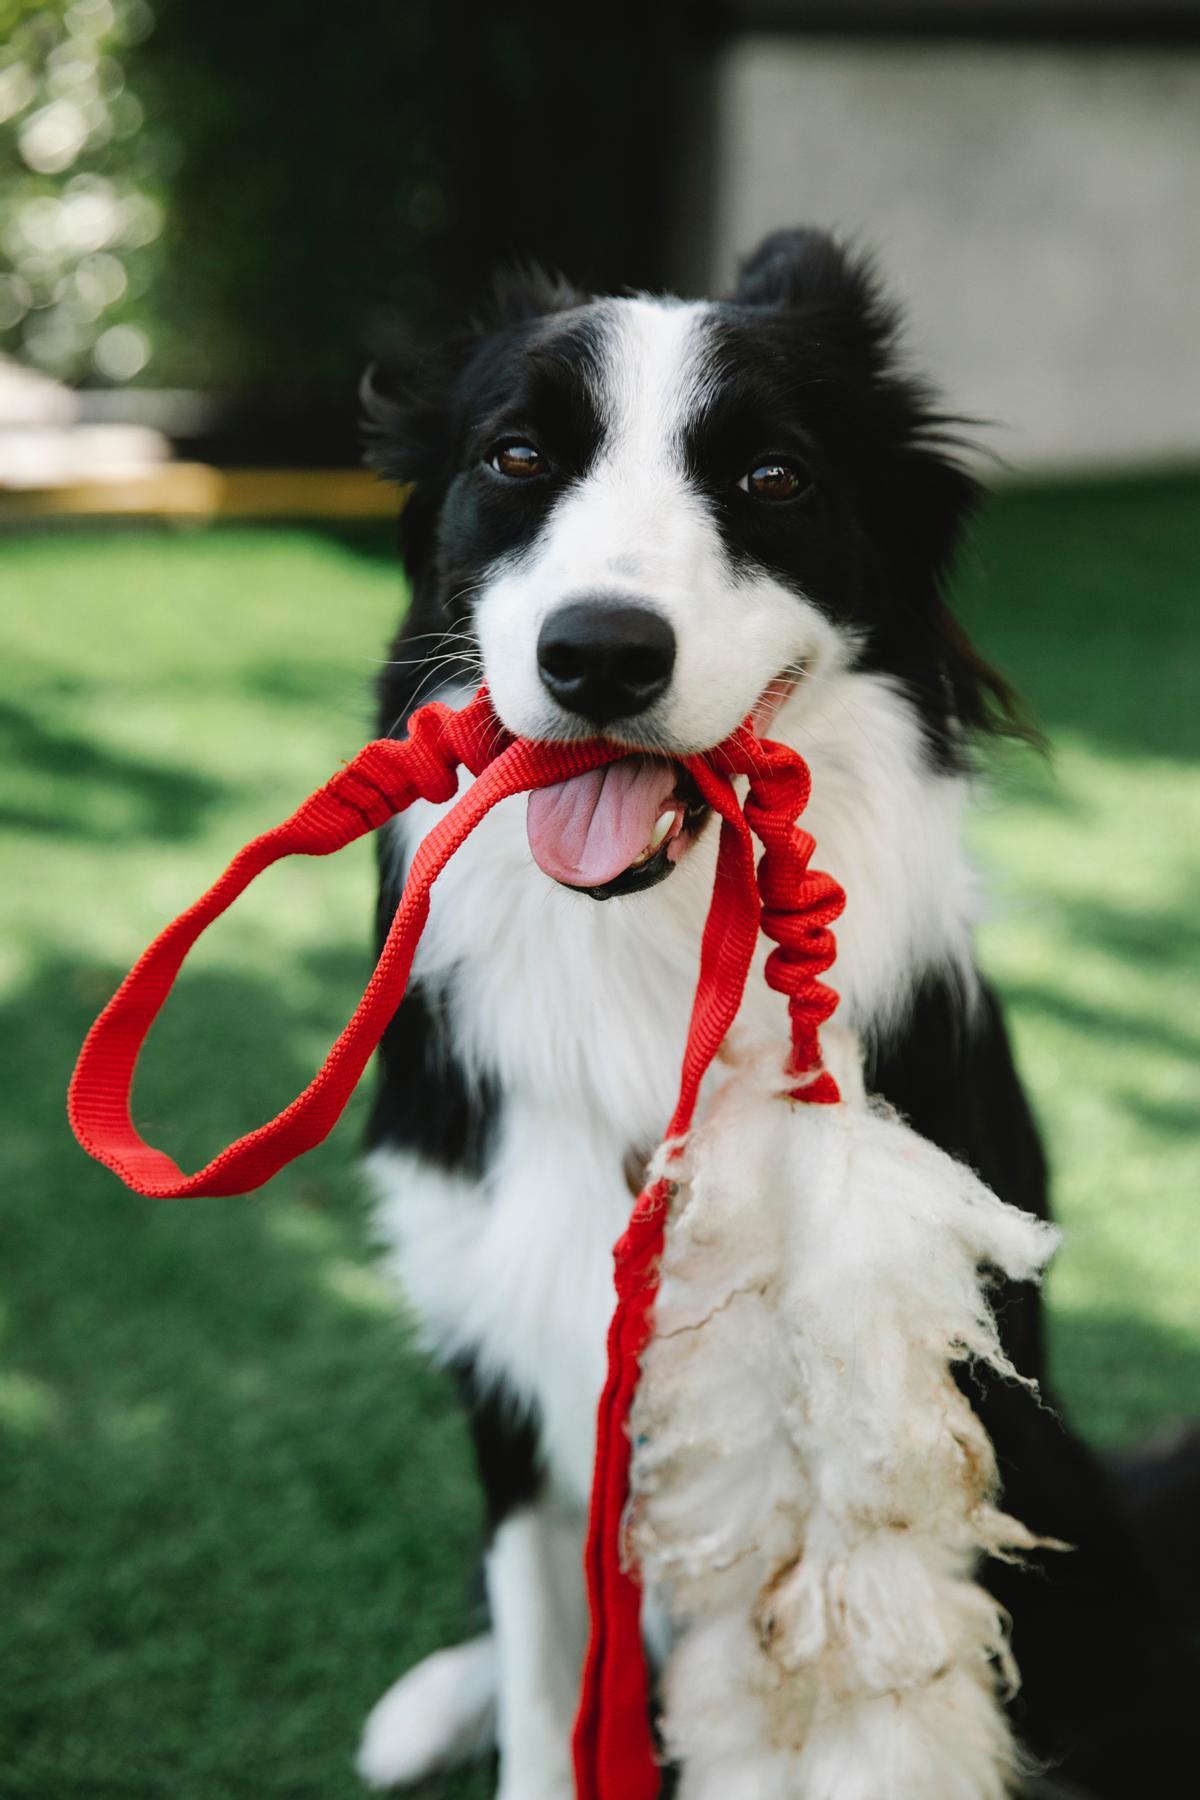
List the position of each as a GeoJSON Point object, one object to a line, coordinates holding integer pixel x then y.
{"type": "Point", "coordinates": [809, 272]}
{"type": "Point", "coordinates": [916, 495]}
{"type": "Point", "coordinates": [924, 496]}
{"type": "Point", "coordinates": [794, 268]}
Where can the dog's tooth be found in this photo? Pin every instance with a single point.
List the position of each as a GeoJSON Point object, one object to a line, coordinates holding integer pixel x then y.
{"type": "Point", "coordinates": [661, 828]}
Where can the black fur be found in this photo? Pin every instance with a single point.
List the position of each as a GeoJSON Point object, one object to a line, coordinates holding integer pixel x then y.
{"type": "Point", "coordinates": [511, 377]}
{"type": "Point", "coordinates": [810, 341]}
{"type": "Point", "coordinates": [424, 1100]}
{"type": "Point", "coordinates": [505, 1441]}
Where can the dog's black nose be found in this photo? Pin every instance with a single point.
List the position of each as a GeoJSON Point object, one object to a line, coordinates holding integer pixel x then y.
{"type": "Point", "coordinates": [604, 659]}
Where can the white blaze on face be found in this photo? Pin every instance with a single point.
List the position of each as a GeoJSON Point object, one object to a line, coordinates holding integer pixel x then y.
{"type": "Point", "coordinates": [636, 529]}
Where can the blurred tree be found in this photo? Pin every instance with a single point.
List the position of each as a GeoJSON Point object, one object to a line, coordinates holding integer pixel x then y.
{"type": "Point", "coordinates": [349, 180]}
{"type": "Point", "coordinates": [81, 181]}
{"type": "Point", "coordinates": [561, 135]}
{"type": "Point", "coordinates": [304, 192]}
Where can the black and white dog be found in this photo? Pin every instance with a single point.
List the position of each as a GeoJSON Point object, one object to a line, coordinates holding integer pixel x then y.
{"type": "Point", "coordinates": [651, 518]}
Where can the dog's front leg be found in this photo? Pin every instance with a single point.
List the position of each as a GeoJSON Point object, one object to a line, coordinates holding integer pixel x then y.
{"type": "Point", "coordinates": [539, 1621]}
{"type": "Point", "coordinates": [516, 1687]}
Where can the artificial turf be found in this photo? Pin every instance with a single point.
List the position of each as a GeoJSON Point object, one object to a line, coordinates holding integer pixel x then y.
{"type": "Point", "coordinates": [234, 1502]}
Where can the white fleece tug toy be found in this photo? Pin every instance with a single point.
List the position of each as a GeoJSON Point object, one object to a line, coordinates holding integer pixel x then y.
{"type": "Point", "coordinates": [811, 1490]}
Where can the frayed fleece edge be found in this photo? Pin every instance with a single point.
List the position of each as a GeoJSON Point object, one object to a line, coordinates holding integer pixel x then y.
{"type": "Point", "coordinates": [812, 1492]}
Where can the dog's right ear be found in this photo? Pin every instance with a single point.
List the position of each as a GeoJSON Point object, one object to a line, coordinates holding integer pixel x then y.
{"type": "Point", "coordinates": [408, 438]}
{"type": "Point", "coordinates": [407, 400]}
{"type": "Point", "coordinates": [526, 291]}
{"type": "Point", "coordinates": [411, 402]}
{"type": "Point", "coordinates": [404, 432]}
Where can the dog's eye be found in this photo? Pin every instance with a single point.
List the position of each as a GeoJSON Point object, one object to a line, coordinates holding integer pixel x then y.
{"type": "Point", "coordinates": [517, 460]}
{"type": "Point", "coordinates": [776, 480]}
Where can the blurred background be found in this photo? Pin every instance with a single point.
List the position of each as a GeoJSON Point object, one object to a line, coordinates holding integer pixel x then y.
{"type": "Point", "coordinates": [234, 1503]}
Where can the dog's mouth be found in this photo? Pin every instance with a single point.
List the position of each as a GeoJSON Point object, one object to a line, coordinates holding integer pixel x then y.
{"type": "Point", "coordinates": [623, 828]}
{"type": "Point", "coordinates": [616, 830]}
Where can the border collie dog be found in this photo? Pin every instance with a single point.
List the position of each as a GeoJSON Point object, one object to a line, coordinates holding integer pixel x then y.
{"type": "Point", "coordinates": [651, 518]}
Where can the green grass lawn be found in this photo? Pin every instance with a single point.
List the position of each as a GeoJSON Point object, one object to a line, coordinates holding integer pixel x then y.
{"type": "Point", "coordinates": [233, 1501]}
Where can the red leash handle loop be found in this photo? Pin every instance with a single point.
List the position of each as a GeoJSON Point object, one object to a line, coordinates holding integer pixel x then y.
{"type": "Point", "coordinates": [383, 779]}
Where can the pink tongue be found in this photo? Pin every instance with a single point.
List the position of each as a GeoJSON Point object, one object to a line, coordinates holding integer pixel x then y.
{"type": "Point", "coordinates": [587, 830]}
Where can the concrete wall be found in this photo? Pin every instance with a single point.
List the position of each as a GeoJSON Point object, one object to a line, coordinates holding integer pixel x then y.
{"type": "Point", "coordinates": [1037, 209]}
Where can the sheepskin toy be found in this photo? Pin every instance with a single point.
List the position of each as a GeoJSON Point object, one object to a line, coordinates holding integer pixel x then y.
{"type": "Point", "coordinates": [782, 1452]}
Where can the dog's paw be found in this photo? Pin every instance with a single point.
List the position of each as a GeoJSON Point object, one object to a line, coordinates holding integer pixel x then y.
{"type": "Point", "coordinates": [441, 1714]}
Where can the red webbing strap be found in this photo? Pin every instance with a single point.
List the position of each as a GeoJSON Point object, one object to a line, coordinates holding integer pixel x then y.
{"type": "Point", "coordinates": [614, 1748]}
{"type": "Point", "coordinates": [799, 904]}
{"type": "Point", "coordinates": [383, 779]}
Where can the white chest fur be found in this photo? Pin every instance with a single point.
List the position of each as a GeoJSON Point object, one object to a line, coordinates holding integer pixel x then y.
{"type": "Point", "coordinates": [579, 1011]}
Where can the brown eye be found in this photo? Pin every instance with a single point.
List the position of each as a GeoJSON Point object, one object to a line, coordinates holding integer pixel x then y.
{"type": "Point", "coordinates": [776, 480]}
{"type": "Point", "coordinates": [517, 460]}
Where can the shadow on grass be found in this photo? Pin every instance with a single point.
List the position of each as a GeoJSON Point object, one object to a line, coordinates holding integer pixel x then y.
{"type": "Point", "coordinates": [1124, 1030]}
{"type": "Point", "coordinates": [1170, 940]}
{"type": "Point", "coordinates": [292, 683]}
{"type": "Point", "coordinates": [235, 1504]}
{"type": "Point", "coordinates": [1164, 942]}
{"type": "Point", "coordinates": [1084, 594]}
{"type": "Point", "coordinates": [1119, 1369]}
{"type": "Point", "coordinates": [101, 795]}
{"type": "Point", "coordinates": [377, 541]}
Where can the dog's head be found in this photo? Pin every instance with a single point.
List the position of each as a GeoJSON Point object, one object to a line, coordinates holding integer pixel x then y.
{"type": "Point", "coordinates": [651, 519]}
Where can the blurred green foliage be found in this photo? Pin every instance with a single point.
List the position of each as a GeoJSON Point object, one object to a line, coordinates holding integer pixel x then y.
{"type": "Point", "coordinates": [213, 195]}
{"type": "Point", "coordinates": [303, 196]}
{"type": "Point", "coordinates": [82, 180]}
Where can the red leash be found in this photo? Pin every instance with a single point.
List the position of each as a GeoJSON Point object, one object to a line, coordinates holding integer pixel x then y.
{"type": "Point", "coordinates": [614, 1746]}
